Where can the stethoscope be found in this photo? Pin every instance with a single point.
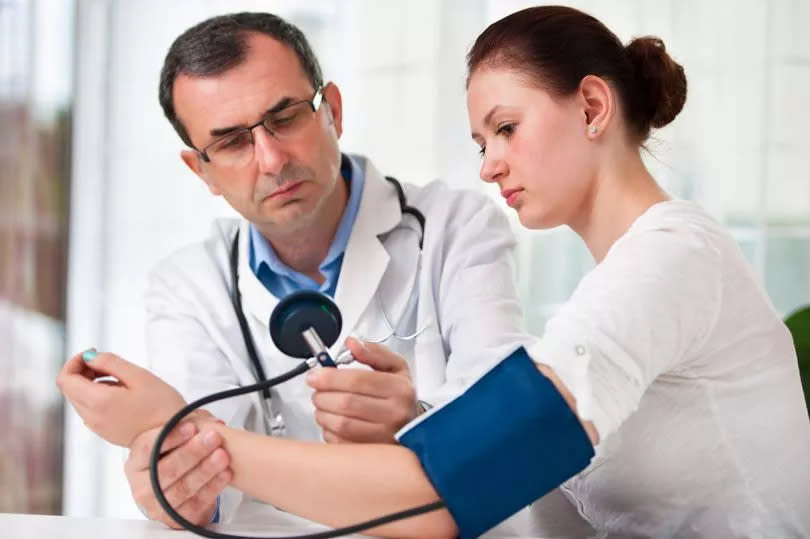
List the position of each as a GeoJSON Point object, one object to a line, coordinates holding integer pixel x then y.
{"type": "Point", "coordinates": [302, 325]}
{"type": "Point", "coordinates": [277, 423]}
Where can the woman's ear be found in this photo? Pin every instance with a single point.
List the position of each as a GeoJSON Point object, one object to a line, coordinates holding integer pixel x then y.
{"type": "Point", "coordinates": [193, 160]}
{"type": "Point", "coordinates": [598, 104]}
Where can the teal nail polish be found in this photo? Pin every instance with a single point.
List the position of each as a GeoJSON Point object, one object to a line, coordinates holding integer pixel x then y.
{"type": "Point", "coordinates": [90, 355]}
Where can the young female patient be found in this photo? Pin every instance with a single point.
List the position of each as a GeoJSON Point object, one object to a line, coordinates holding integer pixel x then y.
{"type": "Point", "coordinates": [670, 355]}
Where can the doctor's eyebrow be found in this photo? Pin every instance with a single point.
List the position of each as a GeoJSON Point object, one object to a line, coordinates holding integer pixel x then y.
{"type": "Point", "coordinates": [487, 119]}
{"type": "Point", "coordinates": [280, 104]}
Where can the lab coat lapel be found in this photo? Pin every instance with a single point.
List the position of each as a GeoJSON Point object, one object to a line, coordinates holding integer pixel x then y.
{"type": "Point", "coordinates": [256, 299]}
{"type": "Point", "coordinates": [366, 259]}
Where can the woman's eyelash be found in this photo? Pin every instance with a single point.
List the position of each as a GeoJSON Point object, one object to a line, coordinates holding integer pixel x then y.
{"type": "Point", "coordinates": [506, 129]}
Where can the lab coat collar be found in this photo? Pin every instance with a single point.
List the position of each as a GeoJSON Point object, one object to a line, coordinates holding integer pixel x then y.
{"type": "Point", "coordinates": [366, 258]}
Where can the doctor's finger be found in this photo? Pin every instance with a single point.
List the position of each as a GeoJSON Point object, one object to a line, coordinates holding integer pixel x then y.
{"type": "Point", "coordinates": [332, 438]}
{"type": "Point", "coordinates": [186, 457]}
{"type": "Point", "coordinates": [169, 472]}
{"type": "Point", "coordinates": [364, 382]}
{"type": "Point", "coordinates": [353, 430]}
{"type": "Point", "coordinates": [377, 356]}
{"type": "Point", "coordinates": [373, 409]}
{"type": "Point", "coordinates": [190, 485]}
{"type": "Point", "coordinates": [200, 508]}
{"type": "Point", "coordinates": [141, 448]}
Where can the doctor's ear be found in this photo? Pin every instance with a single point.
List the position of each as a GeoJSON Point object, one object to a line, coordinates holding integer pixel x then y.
{"type": "Point", "coordinates": [334, 106]}
{"type": "Point", "coordinates": [193, 160]}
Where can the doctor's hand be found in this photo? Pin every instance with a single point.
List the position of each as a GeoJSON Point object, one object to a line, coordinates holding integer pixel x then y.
{"type": "Point", "coordinates": [353, 405]}
{"type": "Point", "coordinates": [193, 471]}
{"type": "Point", "coordinates": [117, 410]}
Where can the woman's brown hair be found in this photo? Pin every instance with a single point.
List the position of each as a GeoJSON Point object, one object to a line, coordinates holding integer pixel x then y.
{"type": "Point", "coordinates": [556, 47]}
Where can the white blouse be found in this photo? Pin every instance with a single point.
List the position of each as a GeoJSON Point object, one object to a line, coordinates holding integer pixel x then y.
{"type": "Point", "coordinates": [673, 350]}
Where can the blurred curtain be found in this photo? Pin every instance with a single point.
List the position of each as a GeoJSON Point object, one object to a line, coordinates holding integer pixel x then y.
{"type": "Point", "coordinates": [35, 124]}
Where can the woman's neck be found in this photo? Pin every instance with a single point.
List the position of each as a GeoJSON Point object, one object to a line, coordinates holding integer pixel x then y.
{"type": "Point", "coordinates": [623, 190]}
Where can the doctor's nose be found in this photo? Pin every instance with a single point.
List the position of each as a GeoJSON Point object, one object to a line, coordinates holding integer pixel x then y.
{"type": "Point", "coordinates": [493, 169]}
{"type": "Point", "coordinates": [269, 152]}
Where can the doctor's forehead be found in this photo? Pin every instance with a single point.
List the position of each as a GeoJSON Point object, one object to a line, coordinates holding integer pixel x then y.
{"type": "Point", "coordinates": [269, 73]}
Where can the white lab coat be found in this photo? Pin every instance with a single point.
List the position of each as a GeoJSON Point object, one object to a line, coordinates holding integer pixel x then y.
{"type": "Point", "coordinates": [465, 291]}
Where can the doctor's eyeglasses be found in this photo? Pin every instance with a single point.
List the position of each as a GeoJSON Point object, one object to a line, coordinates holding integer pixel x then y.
{"type": "Point", "coordinates": [236, 148]}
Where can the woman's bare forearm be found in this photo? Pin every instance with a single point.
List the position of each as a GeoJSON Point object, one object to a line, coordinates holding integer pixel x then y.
{"type": "Point", "coordinates": [336, 484]}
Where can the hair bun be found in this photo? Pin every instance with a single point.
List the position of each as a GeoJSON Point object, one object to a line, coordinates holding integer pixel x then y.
{"type": "Point", "coordinates": [662, 82]}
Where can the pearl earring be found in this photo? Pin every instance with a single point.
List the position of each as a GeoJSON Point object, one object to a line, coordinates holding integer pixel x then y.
{"type": "Point", "coordinates": [592, 129]}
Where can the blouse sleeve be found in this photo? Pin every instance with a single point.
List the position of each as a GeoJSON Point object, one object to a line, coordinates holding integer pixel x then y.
{"type": "Point", "coordinates": [645, 309]}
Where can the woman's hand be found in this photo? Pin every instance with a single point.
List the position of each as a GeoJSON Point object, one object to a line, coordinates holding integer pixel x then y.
{"type": "Point", "coordinates": [117, 411]}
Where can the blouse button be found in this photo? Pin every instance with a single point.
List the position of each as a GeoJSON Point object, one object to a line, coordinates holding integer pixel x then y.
{"type": "Point", "coordinates": [580, 350]}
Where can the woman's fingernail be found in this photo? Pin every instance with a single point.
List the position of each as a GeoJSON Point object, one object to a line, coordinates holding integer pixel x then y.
{"type": "Point", "coordinates": [312, 376]}
{"type": "Point", "coordinates": [188, 429]}
{"type": "Point", "coordinates": [89, 355]}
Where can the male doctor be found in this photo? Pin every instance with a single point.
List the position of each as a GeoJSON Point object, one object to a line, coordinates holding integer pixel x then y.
{"type": "Point", "coordinates": [246, 95]}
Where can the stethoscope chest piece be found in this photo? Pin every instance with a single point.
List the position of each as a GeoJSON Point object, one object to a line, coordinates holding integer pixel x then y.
{"type": "Point", "coordinates": [306, 323]}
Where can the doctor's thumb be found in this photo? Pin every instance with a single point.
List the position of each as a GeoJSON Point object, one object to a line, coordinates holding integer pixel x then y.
{"type": "Point", "coordinates": [357, 347]}
{"type": "Point", "coordinates": [377, 356]}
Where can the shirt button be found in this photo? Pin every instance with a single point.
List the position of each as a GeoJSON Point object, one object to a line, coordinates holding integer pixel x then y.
{"type": "Point", "coordinates": [580, 350]}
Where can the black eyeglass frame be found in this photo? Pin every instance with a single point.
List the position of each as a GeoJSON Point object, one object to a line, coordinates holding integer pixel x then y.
{"type": "Point", "coordinates": [314, 103]}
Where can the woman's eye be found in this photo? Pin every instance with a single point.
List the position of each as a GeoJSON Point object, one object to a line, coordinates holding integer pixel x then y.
{"type": "Point", "coordinates": [482, 151]}
{"type": "Point", "coordinates": [505, 129]}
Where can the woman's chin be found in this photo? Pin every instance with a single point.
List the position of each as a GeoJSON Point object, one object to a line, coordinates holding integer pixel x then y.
{"type": "Point", "coordinates": [535, 220]}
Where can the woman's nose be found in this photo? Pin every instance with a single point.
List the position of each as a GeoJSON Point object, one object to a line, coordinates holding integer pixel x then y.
{"type": "Point", "coordinates": [493, 169]}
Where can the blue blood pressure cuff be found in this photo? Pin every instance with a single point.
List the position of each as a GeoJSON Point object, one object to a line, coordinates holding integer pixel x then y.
{"type": "Point", "coordinates": [502, 444]}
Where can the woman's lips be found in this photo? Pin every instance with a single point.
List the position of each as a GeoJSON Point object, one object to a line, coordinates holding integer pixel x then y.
{"type": "Point", "coordinates": [511, 196]}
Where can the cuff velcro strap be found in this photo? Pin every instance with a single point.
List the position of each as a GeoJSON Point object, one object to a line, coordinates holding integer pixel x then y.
{"type": "Point", "coordinates": [502, 444]}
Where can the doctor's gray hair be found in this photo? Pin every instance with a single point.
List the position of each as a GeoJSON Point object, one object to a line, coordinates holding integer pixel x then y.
{"type": "Point", "coordinates": [220, 43]}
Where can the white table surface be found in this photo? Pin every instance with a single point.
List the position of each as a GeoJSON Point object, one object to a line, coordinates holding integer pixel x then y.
{"type": "Point", "coordinates": [252, 519]}
{"type": "Point", "coordinates": [16, 526]}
